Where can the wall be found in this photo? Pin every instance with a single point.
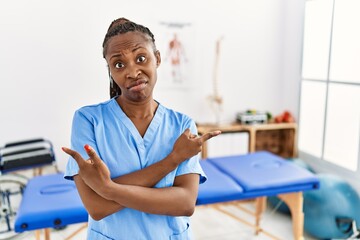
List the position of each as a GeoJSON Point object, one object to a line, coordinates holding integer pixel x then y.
{"type": "Point", "coordinates": [51, 62]}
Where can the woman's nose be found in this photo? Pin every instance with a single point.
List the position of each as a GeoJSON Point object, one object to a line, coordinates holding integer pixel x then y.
{"type": "Point", "coordinates": [133, 72]}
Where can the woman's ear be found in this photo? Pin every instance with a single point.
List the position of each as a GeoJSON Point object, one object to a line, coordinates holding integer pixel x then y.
{"type": "Point", "coordinates": [158, 58]}
{"type": "Point", "coordinates": [110, 77]}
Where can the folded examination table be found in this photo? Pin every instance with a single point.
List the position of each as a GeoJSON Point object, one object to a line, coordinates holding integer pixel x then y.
{"type": "Point", "coordinates": [256, 176]}
{"type": "Point", "coordinates": [50, 201]}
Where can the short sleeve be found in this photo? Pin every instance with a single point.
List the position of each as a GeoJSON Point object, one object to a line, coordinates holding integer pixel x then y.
{"type": "Point", "coordinates": [192, 165]}
{"type": "Point", "coordinates": [82, 133]}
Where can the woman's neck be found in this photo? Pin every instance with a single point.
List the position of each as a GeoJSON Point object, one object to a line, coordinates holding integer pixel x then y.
{"type": "Point", "coordinates": [138, 110]}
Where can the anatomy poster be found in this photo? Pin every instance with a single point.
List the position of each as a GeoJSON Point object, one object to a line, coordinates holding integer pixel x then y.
{"type": "Point", "coordinates": [176, 45]}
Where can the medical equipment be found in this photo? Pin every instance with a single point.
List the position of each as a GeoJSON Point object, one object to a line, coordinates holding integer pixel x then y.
{"type": "Point", "coordinates": [15, 157]}
{"type": "Point", "coordinates": [230, 179]}
{"type": "Point", "coordinates": [256, 176]}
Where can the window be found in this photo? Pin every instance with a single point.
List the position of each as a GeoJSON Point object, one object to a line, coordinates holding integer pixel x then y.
{"type": "Point", "coordinates": [329, 124]}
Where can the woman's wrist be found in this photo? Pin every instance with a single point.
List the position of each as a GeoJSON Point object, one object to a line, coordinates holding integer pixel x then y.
{"type": "Point", "coordinates": [175, 159]}
{"type": "Point", "coordinates": [107, 190]}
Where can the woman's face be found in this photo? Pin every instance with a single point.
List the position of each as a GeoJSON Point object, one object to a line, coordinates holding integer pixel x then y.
{"type": "Point", "coordinates": [133, 64]}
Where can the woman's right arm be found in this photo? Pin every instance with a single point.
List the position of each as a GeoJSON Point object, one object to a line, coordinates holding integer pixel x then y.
{"type": "Point", "coordinates": [99, 207]}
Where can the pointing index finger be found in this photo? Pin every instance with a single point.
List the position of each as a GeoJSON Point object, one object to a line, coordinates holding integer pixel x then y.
{"type": "Point", "coordinates": [209, 135]}
{"type": "Point", "coordinates": [80, 161]}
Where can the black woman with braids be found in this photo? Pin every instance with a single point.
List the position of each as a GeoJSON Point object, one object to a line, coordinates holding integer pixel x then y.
{"type": "Point", "coordinates": [134, 161]}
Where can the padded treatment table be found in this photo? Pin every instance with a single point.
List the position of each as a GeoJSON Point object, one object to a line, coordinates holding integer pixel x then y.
{"type": "Point", "coordinates": [257, 175]}
{"type": "Point", "coordinates": [49, 201]}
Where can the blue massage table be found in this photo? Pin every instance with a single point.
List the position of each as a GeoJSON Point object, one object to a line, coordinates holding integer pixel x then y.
{"type": "Point", "coordinates": [50, 201]}
{"type": "Point", "coordinates": [256, 176]}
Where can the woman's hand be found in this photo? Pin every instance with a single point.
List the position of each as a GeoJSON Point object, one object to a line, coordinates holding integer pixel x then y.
{"type": "Point", "coordinates": [93, 171]}
{"type": "Point", "coordinates": [188, 144]}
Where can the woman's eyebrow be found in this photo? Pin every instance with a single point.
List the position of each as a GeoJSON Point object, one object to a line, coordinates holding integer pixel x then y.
{"type": "Point", "coordinates": [137, 48]}
{"type": "Point", "coordinates": [116, 56]}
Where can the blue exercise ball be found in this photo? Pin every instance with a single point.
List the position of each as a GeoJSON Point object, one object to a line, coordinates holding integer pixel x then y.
{"type": "Point", "coordinates": [331, 210]}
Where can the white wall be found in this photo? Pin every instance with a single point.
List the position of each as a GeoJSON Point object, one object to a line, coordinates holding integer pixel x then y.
{"type": "Point", "coordinates": [51, 62]}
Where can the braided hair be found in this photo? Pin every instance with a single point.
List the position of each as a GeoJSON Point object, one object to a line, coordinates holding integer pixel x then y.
{"type": "Point", "coordinates": [117, 27]}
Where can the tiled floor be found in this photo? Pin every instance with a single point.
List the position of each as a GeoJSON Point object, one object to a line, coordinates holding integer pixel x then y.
{"type": "Point", "coordinates": [210, 224]}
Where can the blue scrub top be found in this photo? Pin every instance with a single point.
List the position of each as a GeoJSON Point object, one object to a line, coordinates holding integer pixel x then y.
{"type": "Point", "coordinates": [115, 138]}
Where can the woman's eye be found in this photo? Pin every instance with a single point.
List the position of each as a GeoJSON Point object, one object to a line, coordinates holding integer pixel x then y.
{"type": "Point", "coordinates": [119, 65]}
{"type": "Point", "coordinates": [141, 59]}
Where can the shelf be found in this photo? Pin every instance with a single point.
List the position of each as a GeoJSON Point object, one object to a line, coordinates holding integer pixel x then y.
{"type": "Point", "coordinates": [278, 138]}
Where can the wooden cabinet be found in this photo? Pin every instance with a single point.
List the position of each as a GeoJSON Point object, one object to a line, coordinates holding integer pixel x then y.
{"type": "Point", "coordinates": [278, 138]}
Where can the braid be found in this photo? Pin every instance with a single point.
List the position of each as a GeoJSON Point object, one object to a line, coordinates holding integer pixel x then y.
{"type": "Point", "coordinates": [117, 27]}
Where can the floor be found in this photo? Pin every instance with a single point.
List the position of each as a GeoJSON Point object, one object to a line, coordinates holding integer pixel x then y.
{"type": "Point", "coordinates": [210, 224]}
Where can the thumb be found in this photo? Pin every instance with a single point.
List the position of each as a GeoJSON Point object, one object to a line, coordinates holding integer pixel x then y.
{"type": "Point", "coordinates": [187, 132]}
{"type": "Point", "coordinates": [75, 155]}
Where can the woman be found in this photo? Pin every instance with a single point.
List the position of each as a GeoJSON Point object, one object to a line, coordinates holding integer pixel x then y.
{"type": "Point", "coordinates": [141, 178]}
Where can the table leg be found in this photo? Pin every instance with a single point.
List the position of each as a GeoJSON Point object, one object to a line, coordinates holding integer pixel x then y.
{"type": "Point", "coordinates": [295, 203]}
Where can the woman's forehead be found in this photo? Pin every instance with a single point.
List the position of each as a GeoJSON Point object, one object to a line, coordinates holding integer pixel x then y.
{"type": "Point", "coordinates": [128, 42]}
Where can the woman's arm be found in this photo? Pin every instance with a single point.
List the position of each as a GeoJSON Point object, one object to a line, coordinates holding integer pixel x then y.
{"type": "Point", "coordinates": [178, 200]}
{"type": "Point", "coordinates": [98, 207]}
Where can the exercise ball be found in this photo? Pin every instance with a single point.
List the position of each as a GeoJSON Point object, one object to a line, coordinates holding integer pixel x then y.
{"type": "Point", "coordinates": [331, 210]}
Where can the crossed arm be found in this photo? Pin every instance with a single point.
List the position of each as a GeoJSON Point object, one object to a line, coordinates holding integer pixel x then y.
{"type": "Point", "coordinates": [103, 196]}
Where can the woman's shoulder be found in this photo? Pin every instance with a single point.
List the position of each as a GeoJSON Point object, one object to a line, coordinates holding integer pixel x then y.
{"type": "Point", "coordinates": [97, 106]}
{"type": "Point", "coordinates": [96, 110]}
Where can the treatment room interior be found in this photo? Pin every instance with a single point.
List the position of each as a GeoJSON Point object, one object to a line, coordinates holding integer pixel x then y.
{"type": "Point", "coordinates": [275, 57]}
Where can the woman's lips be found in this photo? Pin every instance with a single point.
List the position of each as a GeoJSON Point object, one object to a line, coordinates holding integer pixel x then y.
{"type": "Point", "coordinates": [138, 85]}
